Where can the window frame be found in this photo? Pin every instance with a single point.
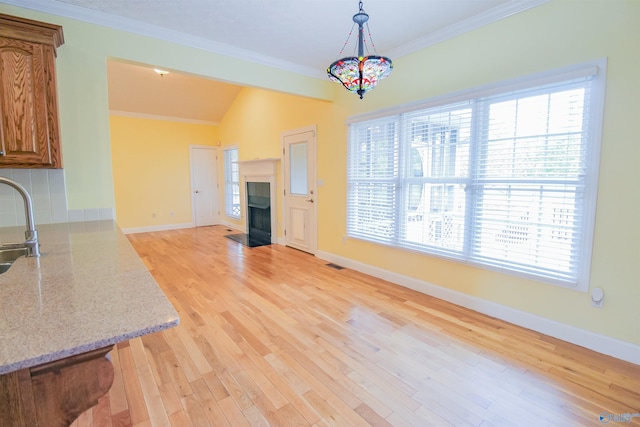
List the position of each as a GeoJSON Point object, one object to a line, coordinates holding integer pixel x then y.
{"type": "Point", "coordinates": [231, 182]}
{"type": "Point", "coordinates": [580, 281]}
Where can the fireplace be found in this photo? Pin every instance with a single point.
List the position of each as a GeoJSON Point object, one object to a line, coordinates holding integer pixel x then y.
{"type": "Point", "coordinates": [258, 180]}
{"type": "Point", "coordinates": [259, 210]}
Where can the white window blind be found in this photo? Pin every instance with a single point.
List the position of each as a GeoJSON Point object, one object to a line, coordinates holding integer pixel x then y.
{"type": "Point", "coordinates": [505, 181]}
{"type": "Point", "coordinates": [231, 183]}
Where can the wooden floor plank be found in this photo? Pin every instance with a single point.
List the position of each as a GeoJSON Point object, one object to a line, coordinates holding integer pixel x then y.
{"type": "Point", "coordinates": [155, 406]}
{"type": "Point", "coordinates": [170, 398]}
{"type": "Point", "coordinates": [194, 410]}
{"type": "Point", "coordinates": [117, 396]}
{"type": "Point", "coordinates": [237, 417]}
{"type": "Point", "coordinates": [135, 398]}
{"type": "Point", "coordinates": [271, 336]}
{"type": "Point", "coordinates": [214, 413]}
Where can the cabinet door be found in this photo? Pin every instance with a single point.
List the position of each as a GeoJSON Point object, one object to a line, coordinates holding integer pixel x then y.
{"type": "Point", "coordinates": [25, 134]}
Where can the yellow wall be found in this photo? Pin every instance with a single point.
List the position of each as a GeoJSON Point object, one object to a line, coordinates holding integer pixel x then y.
{"type": "Point", "coordinates": [555, 34]}
{"type": "Point", "coordinates": [151, 169]}
{"type": "Point", "coordinates": [256, 121]}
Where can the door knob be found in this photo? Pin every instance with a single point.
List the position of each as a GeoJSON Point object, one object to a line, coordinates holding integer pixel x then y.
{"type": "Point", "coordinates": [197, 191]}
{"type": "Point", "coordinates": [310, 200]}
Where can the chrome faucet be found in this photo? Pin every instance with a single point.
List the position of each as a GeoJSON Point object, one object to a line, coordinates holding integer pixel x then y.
{"type": "Point", "coordinates": [31, 235]}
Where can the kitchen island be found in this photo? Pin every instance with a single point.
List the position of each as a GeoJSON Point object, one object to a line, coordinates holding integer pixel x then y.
{"type": "Point", "coordinates": [60, 315]}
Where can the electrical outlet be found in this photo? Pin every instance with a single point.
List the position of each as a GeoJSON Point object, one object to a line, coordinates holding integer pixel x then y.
{"type": "Point", "coordinates": [597, 298]}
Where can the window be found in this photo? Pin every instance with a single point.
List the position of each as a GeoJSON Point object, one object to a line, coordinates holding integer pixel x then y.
{"type": "Point", "coordinates": [231, 183]}
{"type": "Point", "coordinates": [501, 177]}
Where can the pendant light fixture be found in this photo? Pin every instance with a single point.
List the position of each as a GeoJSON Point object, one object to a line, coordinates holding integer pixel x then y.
{"type": "Point", "coordinates": [362, 73]}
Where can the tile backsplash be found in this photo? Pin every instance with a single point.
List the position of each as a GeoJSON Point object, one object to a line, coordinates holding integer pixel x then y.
{"type": "Point", "coordinates": [48, 192]}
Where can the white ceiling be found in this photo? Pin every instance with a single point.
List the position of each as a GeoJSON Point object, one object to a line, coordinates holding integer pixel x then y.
{"type": "Point", "coordinates": [301, 35]}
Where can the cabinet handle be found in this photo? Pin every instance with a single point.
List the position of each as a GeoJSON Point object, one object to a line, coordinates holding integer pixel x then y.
{"type": "Point", "coordinates": [1, 153]}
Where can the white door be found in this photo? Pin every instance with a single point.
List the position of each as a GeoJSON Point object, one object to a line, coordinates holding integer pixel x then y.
{"type": "Point", "coordinates": [300, 201]}
{"type": "Point", "coordinates": [204, 185]}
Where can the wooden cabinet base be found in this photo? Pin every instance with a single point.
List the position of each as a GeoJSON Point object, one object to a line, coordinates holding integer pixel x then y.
{"type": "Point", "coordinates": [56, 393]}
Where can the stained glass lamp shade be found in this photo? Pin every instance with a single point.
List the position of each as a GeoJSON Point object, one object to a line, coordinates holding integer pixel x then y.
{"type": "Point", "coordinates": [362, 73]}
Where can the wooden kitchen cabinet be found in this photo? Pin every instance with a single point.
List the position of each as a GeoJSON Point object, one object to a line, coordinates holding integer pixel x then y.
{"type": "Point", "coordinates": [56, 393]}
{"type": "Point", "coordinates": [29, 131]}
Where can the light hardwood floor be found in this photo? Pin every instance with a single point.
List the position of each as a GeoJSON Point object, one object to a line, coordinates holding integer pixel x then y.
{"type": "Point", "coordinates": [271, 336]}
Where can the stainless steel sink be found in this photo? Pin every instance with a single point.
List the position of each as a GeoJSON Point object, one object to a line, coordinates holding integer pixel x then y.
{"type": "Point", "coordinates": [8, 256]}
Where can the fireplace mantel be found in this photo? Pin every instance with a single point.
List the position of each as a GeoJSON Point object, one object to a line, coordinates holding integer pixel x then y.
{"type": "Point", "coordinates": [258, 167]}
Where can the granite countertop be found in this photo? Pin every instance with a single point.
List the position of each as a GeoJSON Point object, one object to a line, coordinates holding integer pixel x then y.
{"type": "Point", "coordinates": [89, 289]}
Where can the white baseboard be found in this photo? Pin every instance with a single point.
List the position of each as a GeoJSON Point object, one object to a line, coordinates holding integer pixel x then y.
{"type": "Point", "coordinates": [601, 343]}
{"type": "Point", "coordinates": [151, 228]}
{"type": "Point", "coordinates": [166, 227]}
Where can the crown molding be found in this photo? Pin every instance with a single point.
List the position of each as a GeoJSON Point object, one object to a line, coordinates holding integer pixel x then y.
{"type": "Point", "coordinates": [133, 26]}
{"type": "Point", "coordinates": [160, 33]}
{"type": "Point", "coordinates": [492, 15]}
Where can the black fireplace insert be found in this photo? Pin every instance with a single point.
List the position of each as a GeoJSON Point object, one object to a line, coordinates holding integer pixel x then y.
{"type": "Point", "coordinates": [258, 216]}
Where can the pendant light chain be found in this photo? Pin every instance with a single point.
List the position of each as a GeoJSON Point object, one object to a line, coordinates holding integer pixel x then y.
{"type": "Point", "coordinates": [371, 40]}
{"type": "Point", "coordinates": [347, 41]}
